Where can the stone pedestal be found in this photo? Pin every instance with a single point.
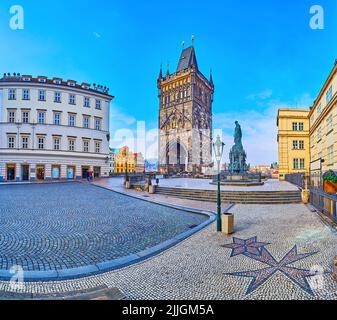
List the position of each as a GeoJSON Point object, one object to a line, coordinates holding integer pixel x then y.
{"type": "Point", "coordinates": [127, 185]}
{"type": "Point", "coordinates": [305, 196]}
{"type": "Point", "coordinates": [228, 224]}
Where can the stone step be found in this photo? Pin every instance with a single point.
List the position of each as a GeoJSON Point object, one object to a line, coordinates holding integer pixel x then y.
{"type": "Point", "coordinates": [223, 194]}
{"type": "Point", "coordinates": [253, 197]}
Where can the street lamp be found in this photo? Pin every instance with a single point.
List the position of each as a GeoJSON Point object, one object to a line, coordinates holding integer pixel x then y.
{"type": "Point", "coordinates": [218, 147]}
{"type": "Point", "coordinates": [126, 167]}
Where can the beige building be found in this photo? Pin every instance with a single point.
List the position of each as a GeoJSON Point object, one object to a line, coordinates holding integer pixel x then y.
{"type": "Point", "coordinates": [52, 129]}
{"type": "Point", "coordinates": [293, 141]}
{"type": "Point", "coordinates": [323, 124]}
{"type": "Point", "coordinates": [316, 128]}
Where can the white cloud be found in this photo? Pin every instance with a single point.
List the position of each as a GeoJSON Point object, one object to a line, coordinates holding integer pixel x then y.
{"type": "Point", "coordinates": [259, 128]}
{"type": "Point", "coordinates": [97, 35]}
{"type": "Point", "coordinates": [261, 96]}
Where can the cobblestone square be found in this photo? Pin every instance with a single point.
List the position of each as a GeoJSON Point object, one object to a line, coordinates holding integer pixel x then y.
{"type": "Point", "coordinates": [63, 226]}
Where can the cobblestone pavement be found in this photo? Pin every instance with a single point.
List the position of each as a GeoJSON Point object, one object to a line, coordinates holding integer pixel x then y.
{"type": "Point", "coordinates": [64, 226]}
{"type": "Point", "coordinates": [277, 252]}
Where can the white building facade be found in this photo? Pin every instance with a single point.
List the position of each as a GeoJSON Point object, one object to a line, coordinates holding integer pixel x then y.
{"type": "Point", "coordinates": [51, 129]}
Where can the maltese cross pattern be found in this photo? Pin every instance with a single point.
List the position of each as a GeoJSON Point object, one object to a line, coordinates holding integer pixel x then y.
{"type": "Point", "coordinates": [257, 251]}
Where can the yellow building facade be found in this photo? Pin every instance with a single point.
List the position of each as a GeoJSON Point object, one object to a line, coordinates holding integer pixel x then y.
{"type": "Point", "coordinates": [134, 162]}
{"type": "Point", "coordinates": [293, 141]}
{"type": "Point", "coordinates": [316, 128]}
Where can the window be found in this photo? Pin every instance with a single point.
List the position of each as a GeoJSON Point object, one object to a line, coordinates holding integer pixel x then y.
{"type": "Point", "coordinates": [25, 142]}
{"type": "Point", "coordinates": [57, 97]}
{"type": "Point", "coordinates": [11, 116]}
{"type": "Point", "coordinates": [41, 117]}
{"type": "Point", "coordinates": [295, 126]}
{"type": "Point", "coordinates": [329, 95]}
{"type": "Point", "coordinates": [71, 145]}
{"type": "Point", "coordinates": [42, 95]}
{"type": "Point", "coordinates": [86, 102]}
{"type": "Point", "coordinates": [319, 134]}
{"type": "Point", "coordinates": [98, 124]}
{"type": "Point", "coordinates": [295, 144]}
{"type": "Point", "coordinates": [25, 117]}
{"type": "Point", "coordinates": [319, 110]}
{"type": "Point", "coordinates": [97, 147]}
{"type": "Point", "coordinates": [57, 144]}
{"type": "Point", "coordinates": [330, 155]}
{"type": "Point", "coordinates": [40, 143]}
{"type": "Point", "coordinates": [301, 126]}
{"type": "Point", "coordinates": [72, 99]}
{"type": "Point", "coordinates": [11, 142]}
{"type": "Point", "coordinates": [57, 118]}
{"type": "Point", "coordinates": [72, 120]}
{"type": "Point", "coordinates": [86, 122]}
{"type": "Point", "coordinates": [11, 94]}
{"type": "Point", "coordinates": [329, 125]}
{"type": "Point", "coordinates": [25, 94]}
{"type": "Point", "coordinates": [98, 104]}
{"type": "Point", "coordinates": [85, 146]}
{"type": "Point", "coordinates": [301, 144]}
{"type": "Point", "coordinates": [298, 164]}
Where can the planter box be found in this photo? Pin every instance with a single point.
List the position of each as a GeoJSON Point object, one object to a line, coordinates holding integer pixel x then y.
{"type": "Point", "coordinates": [330, 187]}
{"type": "Point", "coordinates": [305, 196]}
{"type": "Point", "coordinates": [152, 189]}
{"type": "Point", "coordinates": [228, 224]}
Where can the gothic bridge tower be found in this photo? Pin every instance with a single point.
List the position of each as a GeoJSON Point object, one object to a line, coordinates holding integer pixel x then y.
{"type": "Point", "coordinates": [185, 117]}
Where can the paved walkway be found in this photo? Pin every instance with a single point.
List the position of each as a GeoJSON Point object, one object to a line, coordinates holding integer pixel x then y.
{"type": "Point", "coordinates": [278, 252]}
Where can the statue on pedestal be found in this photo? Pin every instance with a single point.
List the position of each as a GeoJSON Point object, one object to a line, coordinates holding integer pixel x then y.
{"type": "Point", "coordinates": [238, 157]}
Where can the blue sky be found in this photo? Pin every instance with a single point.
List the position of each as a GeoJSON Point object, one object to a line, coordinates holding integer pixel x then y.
{"type": "Point", "coordinates": [263, 54]}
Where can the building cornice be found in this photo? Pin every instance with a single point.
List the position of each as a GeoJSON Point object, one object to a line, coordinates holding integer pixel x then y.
{"type": "Point", "coordinates": [55, 87]}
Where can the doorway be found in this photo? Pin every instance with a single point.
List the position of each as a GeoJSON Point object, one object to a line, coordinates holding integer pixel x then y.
{"type": "Point", "coordinates": [25, 172]}
{"type": "Point", "coordinates": [71, 172]}
{"type": "Point", "coordinates": [40, 172]}
{"type": "Point", "coordinates": [56, 172]}
{"type": "Point", "coordinates": [11, 172]}
{"type": "Point", "coordinates": [85, 172]}
{"type": "Point", "coordinates": [97, 172]}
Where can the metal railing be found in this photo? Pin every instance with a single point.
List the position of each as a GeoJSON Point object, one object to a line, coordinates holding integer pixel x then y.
{"type": "Point", "coordinates": [324, 202]}
{"type": "Point", "coordinates": [298, 179]}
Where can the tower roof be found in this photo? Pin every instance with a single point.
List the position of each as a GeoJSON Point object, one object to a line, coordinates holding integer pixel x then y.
{"type": "Point", "coordinates": [187, 59]}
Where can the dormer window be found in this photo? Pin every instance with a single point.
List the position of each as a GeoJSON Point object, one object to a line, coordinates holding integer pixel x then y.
{"type": "Point", "coordinates": [42, 79]}
{"type": "Point", "coordinates": [57, 81]}
{"type": "Point", "coordinates": [71, 83]}
{"type": "Point", "coordinates": [27, 79]}
{"type": "Point", "coordinates": [85, 86]}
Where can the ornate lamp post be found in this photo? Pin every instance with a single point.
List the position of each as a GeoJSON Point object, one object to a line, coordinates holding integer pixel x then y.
{"type": "Point", "coordinates": [126, 167]}
{"type": "Point", "coordinates": [218, 147]}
